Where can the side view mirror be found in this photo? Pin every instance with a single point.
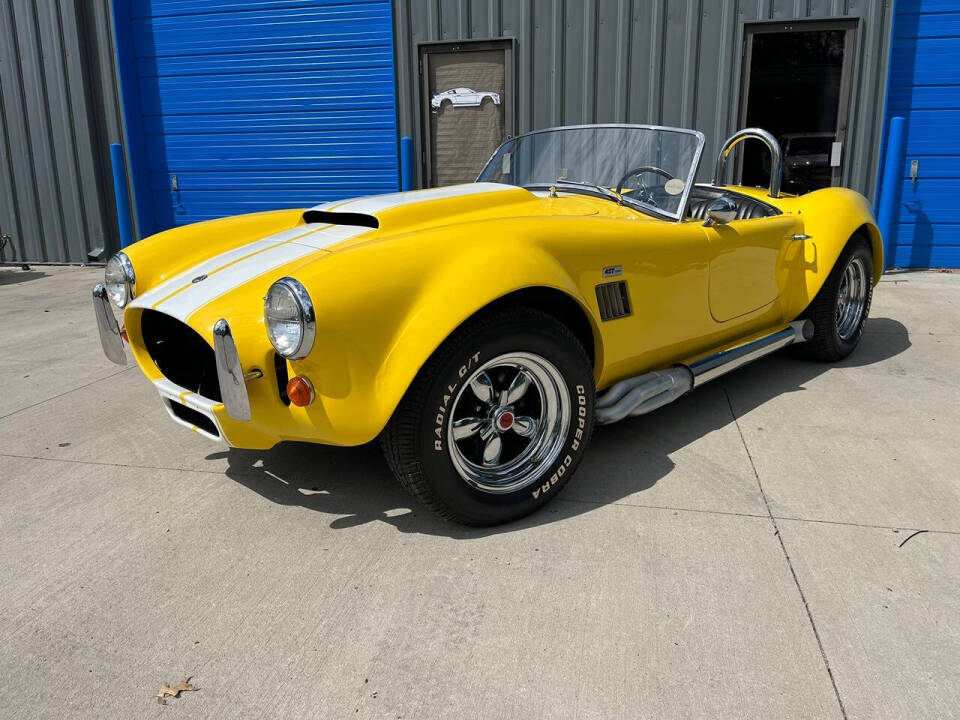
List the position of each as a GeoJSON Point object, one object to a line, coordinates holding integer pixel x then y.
{"type": "Point", "coordinates": [722, 210]}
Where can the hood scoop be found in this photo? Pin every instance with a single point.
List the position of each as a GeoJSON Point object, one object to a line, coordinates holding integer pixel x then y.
{"type": "Point", "coordinates": [326, 217]}
{"type": "Point", "coordinates": [404, 211]}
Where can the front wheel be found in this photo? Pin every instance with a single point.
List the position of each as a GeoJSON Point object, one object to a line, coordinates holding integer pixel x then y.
{"type": "Point", "coordinates": [840, 309]}
{"type": "Point", "coordinates": [497, 421]}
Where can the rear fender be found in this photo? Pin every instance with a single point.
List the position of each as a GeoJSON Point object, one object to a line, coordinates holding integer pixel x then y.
{"type": "Point", "coordinates": [830, 217]}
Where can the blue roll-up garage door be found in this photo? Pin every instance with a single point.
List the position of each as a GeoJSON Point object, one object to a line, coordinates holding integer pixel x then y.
{"type": "Point", "coordinates": [924, 89]}
{"type": "Point", "coordinates": [245, 105]}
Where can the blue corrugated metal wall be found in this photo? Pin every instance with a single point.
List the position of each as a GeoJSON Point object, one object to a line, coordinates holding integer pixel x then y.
{"type": "Point", "coordinates": [924, 88]}
{"type": "Point", "coordinates": [255, 104]}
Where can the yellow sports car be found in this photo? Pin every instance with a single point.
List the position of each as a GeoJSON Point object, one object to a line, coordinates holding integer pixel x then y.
{"type": "Point", "coordinates": [481, 330]}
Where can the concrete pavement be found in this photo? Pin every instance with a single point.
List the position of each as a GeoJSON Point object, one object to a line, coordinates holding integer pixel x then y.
{"type": "Point", "coordinates": [746, 552]}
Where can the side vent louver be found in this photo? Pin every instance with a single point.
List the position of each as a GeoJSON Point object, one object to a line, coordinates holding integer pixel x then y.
{"type": "Point", "coordinates": [613, 300]}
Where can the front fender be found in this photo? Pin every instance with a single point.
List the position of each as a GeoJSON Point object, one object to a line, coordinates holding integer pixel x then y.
{"type": "Point", "coordinates": [830, 216]}
{"type": "Point", "coordinates": [382, 310]}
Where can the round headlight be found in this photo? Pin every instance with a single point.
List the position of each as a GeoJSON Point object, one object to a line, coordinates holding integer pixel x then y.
{"type": "Point", "coordinates": [291, 324]}
{"type": "Point", "coordinates": [119, 279]}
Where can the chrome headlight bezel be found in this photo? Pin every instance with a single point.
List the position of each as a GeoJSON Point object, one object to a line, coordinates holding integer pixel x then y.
{"type": "Point", "coordinates": [306, 319]}
{"type": "Point", "coordinates": [120, 289]}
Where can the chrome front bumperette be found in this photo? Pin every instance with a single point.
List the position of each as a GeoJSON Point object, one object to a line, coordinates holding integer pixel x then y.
{"type": "Point", "coordinates": [110, 337]}
{"type": "Point", "coordinates": [233, 385]}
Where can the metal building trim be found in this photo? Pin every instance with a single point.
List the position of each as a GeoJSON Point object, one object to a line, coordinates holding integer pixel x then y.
{"type": "Point", "coordinates": [656, 61]}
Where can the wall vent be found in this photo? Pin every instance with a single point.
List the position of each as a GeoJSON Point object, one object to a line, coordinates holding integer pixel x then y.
{"type": "Point", "coordinates": [613, 300]}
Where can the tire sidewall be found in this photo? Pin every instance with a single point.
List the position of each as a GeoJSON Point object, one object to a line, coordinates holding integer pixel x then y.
{"type": "Point", "coordinates": [433, 432]}
{"type": "Point", "coordinates": [858, 248]}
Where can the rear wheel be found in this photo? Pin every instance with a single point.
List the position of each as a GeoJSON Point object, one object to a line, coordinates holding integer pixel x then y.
{"type": "Point", "coordinates": [839, 311]}
{"type": "Point", "coordinates": [497, 421]}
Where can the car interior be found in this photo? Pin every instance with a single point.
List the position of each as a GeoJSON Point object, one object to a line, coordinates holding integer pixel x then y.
{"type": "Point", "coordinates": [747, 207]}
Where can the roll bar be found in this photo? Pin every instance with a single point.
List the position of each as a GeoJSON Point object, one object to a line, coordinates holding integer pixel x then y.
{"type": "Point", "coordinates": [776, 164]}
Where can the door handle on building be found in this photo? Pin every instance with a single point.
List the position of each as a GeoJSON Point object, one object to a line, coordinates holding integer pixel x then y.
{"type": "Point", "coordinates": [914, 171]}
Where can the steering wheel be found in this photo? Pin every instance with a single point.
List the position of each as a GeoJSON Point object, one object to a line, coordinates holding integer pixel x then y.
{"type": "Point", "coordinates": [643, 193]}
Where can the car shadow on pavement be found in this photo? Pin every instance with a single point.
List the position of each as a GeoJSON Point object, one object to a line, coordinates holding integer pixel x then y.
{"type": "Point", "coordinates": [629, 457]}
{"type": "Point", "coordinates": [14, 276]}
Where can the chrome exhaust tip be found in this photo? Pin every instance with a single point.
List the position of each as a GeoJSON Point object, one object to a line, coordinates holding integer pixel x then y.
{"type": "Point", "coordinates": [803, 330]}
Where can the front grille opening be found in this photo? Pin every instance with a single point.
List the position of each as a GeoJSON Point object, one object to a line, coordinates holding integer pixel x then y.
{"type": "Point", "coordinates": [280, 369]}
{"type": "Point", "coordinates": [181, 355]}
{"type": "Point", "coordinates": [613, 300]}
{"type": "Point", "coordinates": [191, 416]}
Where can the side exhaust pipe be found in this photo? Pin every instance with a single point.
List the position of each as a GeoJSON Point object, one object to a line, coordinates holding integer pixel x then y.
{"type": "Point", "coordinates": [641, 394]}
{"type": "Point", "coordinates": [720, 363]}
{"type": "Point", "coordinates": [644, 393]}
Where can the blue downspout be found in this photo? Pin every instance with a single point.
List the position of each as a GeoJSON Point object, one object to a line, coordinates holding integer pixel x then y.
{"type": "Point", "coordinates": [406, 163]}
{"type": "Point", "coordinates": [121, 194]}
{"type": "Point", "coordinates": [889, 187]}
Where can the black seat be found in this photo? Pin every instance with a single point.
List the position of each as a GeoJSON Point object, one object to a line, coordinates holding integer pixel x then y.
{"type": "Point", "coordinates": [747, 207]}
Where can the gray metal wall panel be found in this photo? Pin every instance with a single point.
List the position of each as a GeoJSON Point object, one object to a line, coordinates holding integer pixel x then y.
{"type": "Point", "coordinates": [671, 62]}
{"type": "Point", "coordinates": [59, 110]}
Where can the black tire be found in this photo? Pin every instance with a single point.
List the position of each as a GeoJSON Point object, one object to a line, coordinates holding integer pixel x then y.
{"type": "Point", "coordinates": [416, 443]}
{"type": "Point", "coordinates": [827, 343]}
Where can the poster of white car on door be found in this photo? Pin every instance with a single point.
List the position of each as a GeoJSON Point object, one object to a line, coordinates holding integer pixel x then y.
{"type": "Point", "coordinates": [466, 101]}
{"type": "Point", "coordinates": [464, 97]}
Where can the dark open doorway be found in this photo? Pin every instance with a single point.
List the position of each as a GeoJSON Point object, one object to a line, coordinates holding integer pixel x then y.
{"type": "Point", "coordinates": [796, 84]}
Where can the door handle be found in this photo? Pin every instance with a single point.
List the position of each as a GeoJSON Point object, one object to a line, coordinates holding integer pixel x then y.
{"type": "Point", "coordinates": [800, 236]}
{"type": "Point", "coordinates": [914, 171]}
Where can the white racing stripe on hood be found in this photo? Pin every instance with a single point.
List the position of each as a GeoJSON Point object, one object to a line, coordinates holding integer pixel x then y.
{"type": "Point", "coordinates": [184, 304]}
{"type": "Point", "coordinates": [332, 236]}
{"type": "Point", "coordinates": [180, 297]}
{"type": "Point", "coordinates": [378, 203]}
{"type": "Point", "coordinates": [211, 265]}
{"type": "Point", "coordinates": [237, 267]}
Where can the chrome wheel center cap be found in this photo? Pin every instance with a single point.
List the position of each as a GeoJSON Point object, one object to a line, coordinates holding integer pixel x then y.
{"type": "Point", "coordinates": [503, 419]}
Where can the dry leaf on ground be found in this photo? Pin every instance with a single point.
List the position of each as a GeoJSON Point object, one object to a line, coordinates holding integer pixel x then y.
{"type": "Point", "coordinates": [166, 690]}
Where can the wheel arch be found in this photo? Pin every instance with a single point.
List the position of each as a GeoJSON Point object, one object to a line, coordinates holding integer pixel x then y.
{"type": "Point", "coordinates": [559, 305]}
{"type": "Point", "coordinates": [832, 217]}
{"type": "Point", "coordinates": [871, 233]}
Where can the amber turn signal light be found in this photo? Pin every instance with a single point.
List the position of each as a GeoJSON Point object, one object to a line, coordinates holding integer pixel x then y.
{"type": "Point", "coordinates": [300, 391]}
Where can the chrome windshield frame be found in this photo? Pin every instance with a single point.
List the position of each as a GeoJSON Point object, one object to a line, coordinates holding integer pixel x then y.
{"type": "Point", "coordinates": [689, 181]}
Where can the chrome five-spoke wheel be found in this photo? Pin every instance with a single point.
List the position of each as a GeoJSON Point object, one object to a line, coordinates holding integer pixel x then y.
{"type": "Point", "coordinates": [498, 419]}
{"type": "Point", "coordinates": [852, 298]}
{"type": "Point", "coordinates": [508, 422]}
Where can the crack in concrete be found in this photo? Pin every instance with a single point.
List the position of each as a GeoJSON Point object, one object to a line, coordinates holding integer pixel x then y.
{"type": "Point", "coordinates": [561, 499]}
{"type": "Point", "coordinates": [67, 392]}
{"type": "Point", "coordinates": [786, 555]}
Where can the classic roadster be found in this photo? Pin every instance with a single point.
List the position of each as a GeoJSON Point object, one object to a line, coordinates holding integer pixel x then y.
{"type": "Point", "coordinates": [482, 330]}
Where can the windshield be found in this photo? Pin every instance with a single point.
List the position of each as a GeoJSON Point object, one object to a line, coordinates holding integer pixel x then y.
{"type": "Point", "coordinates": [651, 167]}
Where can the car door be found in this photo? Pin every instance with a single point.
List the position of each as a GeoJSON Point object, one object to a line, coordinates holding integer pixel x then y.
{"type": "Point", "coordinates": [660, 267]}
{"type": "Point", "coordinates": [745, 267]}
